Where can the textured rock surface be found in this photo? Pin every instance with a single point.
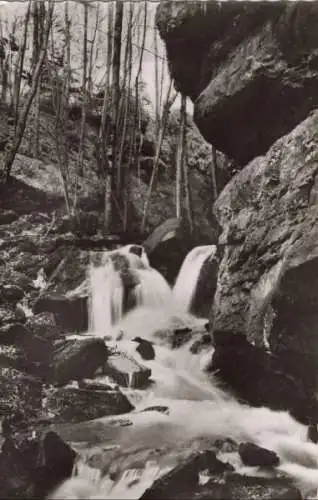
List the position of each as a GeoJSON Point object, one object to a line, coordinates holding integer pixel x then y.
{"type": "Point", "coordinates": [32, 467]}
{"type": "Point", "coordinates": [258, 378]}
{"type": "Point", "coordinates": [268, 215]}
{"type": "Point", "coordinates": [71, 404]}
{"type": "Point", "coordinates": [78, 359]}
{"type": "Point", "coordinates": [250, 69]}
{"type": "Point", "coordinates": [126, 371]}
{"type": "Point", "coordinates": [182, 482]}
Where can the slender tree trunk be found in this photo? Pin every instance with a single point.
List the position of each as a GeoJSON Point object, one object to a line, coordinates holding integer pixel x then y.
{"type": "Point", "coordinates": [188, 198]}
{"type": "Point", "coordinates": [16, 98]}
{"type": "Point", "coordinates": [116, 173]}
{"type": "Point", "coordinates": [110, 26]}
{"type": "Point", "coordinates": [180, 157]}
{"type": "Point", "coordinates": [213, 173]}
{"type": "Point", "coordinates": [156, 79]}
{"type": "Point", "coordinates": [104, 130]}
{"type": "Point", "coordinates": [91, 52]}
{"type": "Point", "coordinates": [13, 146]}
{"type": "Point", "coordinates": [164, 122]}
{"type": "Point", "coordinates": [84, 94]}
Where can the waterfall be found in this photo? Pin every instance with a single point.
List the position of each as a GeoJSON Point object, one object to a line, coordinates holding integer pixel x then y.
{"type": "Point", "coordinates": [199, 411]}
{"type": "Point", "coordinates": [186, 282]}
{"type": "Point", "coordinates": [153, 290]}
{"type": "Point", "coordinates": [125, 276]}
{"type": "Point", "coordinates": [106, 298]}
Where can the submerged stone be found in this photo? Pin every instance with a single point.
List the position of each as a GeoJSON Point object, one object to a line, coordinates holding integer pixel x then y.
{"type": "Point", "coordinates": [126, 371]}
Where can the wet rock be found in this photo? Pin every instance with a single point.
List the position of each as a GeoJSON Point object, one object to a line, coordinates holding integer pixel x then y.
{"type": "Point", "coordinates": [8, 216]}
{"type": "Point", "coordinates": [183, 480]}
{"type": "Point", "coordinates": [75, 359]}
{"type": "Point", "coordinates": [238, 56]}
{"type": "Point", "coordinates": [126, 371]}
{"type": "Point", "coordinates": [166, 231]}
{"type": "Point", "coordinates": [11, 293]}
{"type": "Point", "coordinates": [94, 385]}
{"type": "Point", "coordinates": [205, 288]}
{"type": "Point", "coordinates": [145, 348]}
{"type": "Point", "coordinates": [256, 456]}
{"type": "Point", "coordinates": [312, 433]}
{"type": "Point", "coordinates": [239, 487]}
{"type": "Point", "coordinates": [180, 336]}
{"type": "Point", "coordinates": [71, 404]}
{"type": "Point", "coordinates": [58, 462]}
{"type": "Point", "coordinates": [160, 409]}
{"type": "Point", "coordinates": [200, 344]}
{"type": "Point", "coordinates": [43, 325]}
{"type": "Point", "coordinates": [70, 313]}
{"type": "Point", "coordinates": [32, 467]}
{"type": "Point", "coordinates": [258, 377]}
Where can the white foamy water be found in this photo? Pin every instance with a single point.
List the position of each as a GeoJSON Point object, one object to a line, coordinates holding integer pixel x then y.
{"type": "Point", "coordinates": [184, 288]}
{"type": "Point", "coordinates": [198, 411]}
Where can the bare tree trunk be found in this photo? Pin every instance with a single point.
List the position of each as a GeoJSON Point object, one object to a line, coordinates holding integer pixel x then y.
{"type": "Point", "coordinates": [180, 157]}
{"type": "Point", "coordinates": [110, 25]}
{"type": "Point", "coordinates": [91, 53]}
{"type": "Point", "coordinates": [104, 130]}
{"type": "Point", "coordinates": [214, 164]}
{"type": "Point", "coordinates": [84, 94]}
{"type": "Point", "coordinates": [157, 103]}
{"type": "Point", "coordinates": [17, 86]}
{"type": "Point", "coordinates": [164, 121]}
{"type": "Point", "coordinates": [116, 173]}
{"type": "Point", "coordinates": [13, 146]}
{"type": "Point", "coordinates": [188, 198]}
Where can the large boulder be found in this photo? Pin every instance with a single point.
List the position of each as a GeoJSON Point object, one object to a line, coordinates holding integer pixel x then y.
{"type": "Point", "coordinates": [259, 379]}
{"type": "Point", "coordinates": [75, 359]}
{"type": "Point", "coordinates": [32, 466]}
{"type": "Point", "coordinates": [126, 371]}
{"type": "Point", "coordinates": [74, 404]}
{"type": "Point", "coordinates": [183, 482]}
{"type": "Point", "coordinates": [268, 217]}
{"type": "Point", "coordinates": [71, 313]}
{"type": "Point", "coordinates": [250, 68]}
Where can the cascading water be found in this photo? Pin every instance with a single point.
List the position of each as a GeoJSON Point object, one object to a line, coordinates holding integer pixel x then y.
{"type": "Point", "coordinates": [198, 410]}
{"type": "Point", "coordinates": [106, 299]}
{"type": "Point", "coordinates": [185, 285]}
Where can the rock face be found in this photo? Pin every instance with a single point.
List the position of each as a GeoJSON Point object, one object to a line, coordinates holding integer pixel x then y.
{"type": "Point", "coordinates": [251, 69]}
{"type": "Point", "coordinates": [268, 216]}
{"type": "Point", "coordinates": [126, 371]}
{"type": "Point", "coordinates": [32, 467]}
{"type": "Point", "coordinates": [78, 359]}
{"type": "Point", "coordinates": [71, 314]}
{"type": "Point", "coordinates": [258, 378]}
{"type": "Point", "coordinates": [182, 482]}
{"type": "Point", "coordinates": [72, 404]}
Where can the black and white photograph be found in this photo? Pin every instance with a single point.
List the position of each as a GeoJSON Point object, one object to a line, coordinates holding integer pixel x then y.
{"type": "Point", "coordinates": [159, 249]}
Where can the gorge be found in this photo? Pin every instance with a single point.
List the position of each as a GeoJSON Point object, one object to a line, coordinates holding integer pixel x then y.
{"type": "Point", "coordinates": [167, 364]}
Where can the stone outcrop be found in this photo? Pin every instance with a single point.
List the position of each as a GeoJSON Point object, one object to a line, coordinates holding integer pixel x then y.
{"type": "Point", "coordinates": [183, 482]}
{"type": "Point", "coordinates": [32, 466]}
{"type": "Point", "coordinates": [259, 379]}
{"type": "Point", "coordinates": [251, 69]}
{"type": "Point", "coordinates": [268, 214]}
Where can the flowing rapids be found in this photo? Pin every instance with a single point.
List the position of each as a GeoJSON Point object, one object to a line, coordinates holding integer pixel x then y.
{"type": "Point", "coordinates": [134, 449]}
